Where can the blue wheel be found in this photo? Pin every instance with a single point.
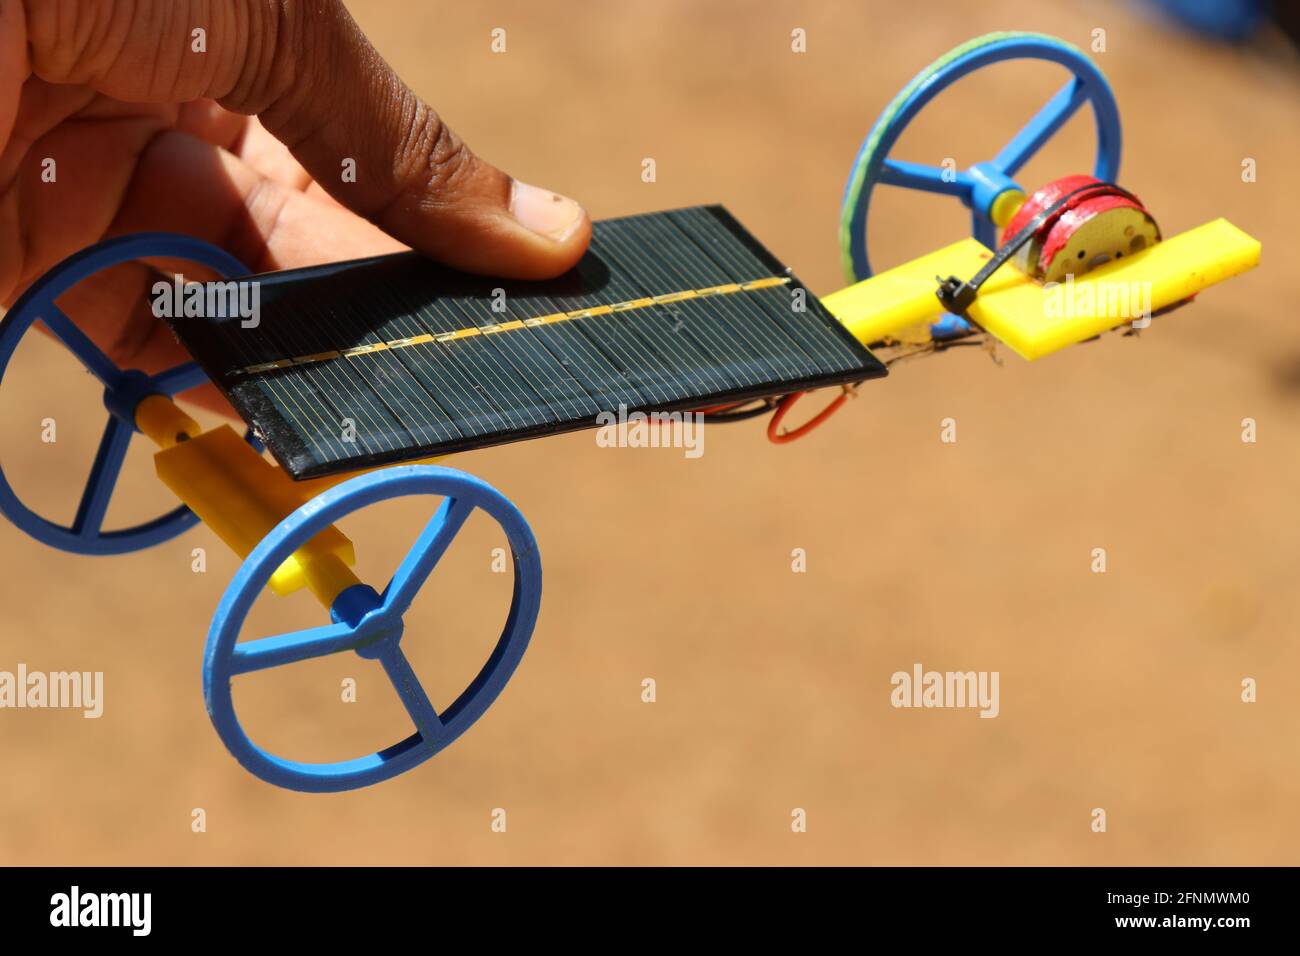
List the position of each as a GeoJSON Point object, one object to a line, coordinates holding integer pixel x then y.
{"type": "Point", "coordinates": [123, 390]}
{"type": "Point", "coordinates": [370, 623]}
{"type": "Point", "coordinates": [978, 186]}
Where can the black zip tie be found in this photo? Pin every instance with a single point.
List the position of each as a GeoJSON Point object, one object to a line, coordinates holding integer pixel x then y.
{"type": "Point", "coordinates": [957, 296]}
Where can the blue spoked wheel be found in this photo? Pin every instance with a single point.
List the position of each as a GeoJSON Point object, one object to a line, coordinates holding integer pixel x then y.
{"type": "Point", "coordinates": [979, 185]}
{"type": "Point", "coordinates": [123, 390]}
{"type": "Point", "coordinates": [370, 623]}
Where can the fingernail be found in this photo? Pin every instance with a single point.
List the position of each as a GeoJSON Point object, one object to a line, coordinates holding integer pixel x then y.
{"type": "Point", "coordinates": [544, 212]}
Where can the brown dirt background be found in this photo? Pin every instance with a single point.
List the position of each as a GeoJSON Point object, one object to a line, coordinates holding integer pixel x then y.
{"type": "Point", "coordinates": [1119, 691]}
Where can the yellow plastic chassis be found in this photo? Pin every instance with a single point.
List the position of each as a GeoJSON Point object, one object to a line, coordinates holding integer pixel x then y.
{"type": "Point", "coordinates": [1035, 319]}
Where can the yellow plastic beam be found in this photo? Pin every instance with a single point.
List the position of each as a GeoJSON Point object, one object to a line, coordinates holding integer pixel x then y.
{"type": "Point", "coordinates": [889, 305]}
{"type": "Point", "coordinates": [162, 420]}
{"type": "Point", "coordinates": [1033, 319]}
{"type": "Point", "coordinates": [241, 496]}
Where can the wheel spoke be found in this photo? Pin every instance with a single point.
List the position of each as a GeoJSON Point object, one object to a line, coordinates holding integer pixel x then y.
{"type": "Point", "coordinates": [931, 179]}
{"type": "Point", "coordinates": [180, 378]}
{"type": "Point", "coordinates": [290, 648]}
{"type": "Point", "coordinates": [428, 551]}
{"type": "Point", "coordinates": [414, 699]}
{"type": "Point", "coordinates": [103, 478]}
{"type": "Point", "coordinates": [79, 344]}
{"type": "Point", "coordinates": [1042, 127]}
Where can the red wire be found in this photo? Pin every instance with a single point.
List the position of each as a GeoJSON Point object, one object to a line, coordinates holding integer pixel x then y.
{"type": "Point", "coordinates": [782, 407]}
{"type": "Point", "coordinates": [786, 404]}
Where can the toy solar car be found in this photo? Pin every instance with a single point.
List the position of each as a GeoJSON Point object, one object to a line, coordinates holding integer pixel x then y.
{"type": "Point", "coordinates": [359, 371]}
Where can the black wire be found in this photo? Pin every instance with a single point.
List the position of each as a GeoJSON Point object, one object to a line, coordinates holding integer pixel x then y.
{"type": "Point", "coordinates": [744, 414]}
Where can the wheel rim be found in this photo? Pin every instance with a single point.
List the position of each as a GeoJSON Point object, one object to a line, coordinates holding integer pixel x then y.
{"type": "Point", "coordinates": [370, 624]}
{"type": "Point", "coordinates": [978, 185]}
{"type": "Point", "coordinates": [123, 388]}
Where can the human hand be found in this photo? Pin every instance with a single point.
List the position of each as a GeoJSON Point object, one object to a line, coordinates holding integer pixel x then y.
{"type": "Point", "coordinates": [242, 145]}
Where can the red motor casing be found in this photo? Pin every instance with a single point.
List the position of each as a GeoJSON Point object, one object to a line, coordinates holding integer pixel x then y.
{"type": "Point", "coordinates": [1096, 229]}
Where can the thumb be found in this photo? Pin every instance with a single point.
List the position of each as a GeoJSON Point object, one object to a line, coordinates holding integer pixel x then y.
{"type": "Point", "coordinates": [373, 145]}
{"type": "Point", "coordinates": [318, 85]}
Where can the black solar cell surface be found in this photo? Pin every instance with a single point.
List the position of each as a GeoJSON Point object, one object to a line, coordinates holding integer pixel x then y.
{"type": "Point", "coordinates": [382, 360]}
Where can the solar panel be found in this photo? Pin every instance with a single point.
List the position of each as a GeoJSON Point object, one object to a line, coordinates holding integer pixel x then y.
{"type": "Point", "coordinates": [393, 358]}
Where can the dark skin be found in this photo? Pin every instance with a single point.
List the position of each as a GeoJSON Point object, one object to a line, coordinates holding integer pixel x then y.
{"type": "Point", "coordinates": [241, 145]}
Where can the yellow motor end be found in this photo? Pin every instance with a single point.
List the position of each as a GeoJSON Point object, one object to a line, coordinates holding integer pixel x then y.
{"type": "Point", "coordinates": [1005, 206]}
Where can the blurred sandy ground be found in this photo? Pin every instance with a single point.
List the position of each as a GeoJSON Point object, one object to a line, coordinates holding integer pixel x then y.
{"type": "Point", "coordinates": [1119, 691]}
